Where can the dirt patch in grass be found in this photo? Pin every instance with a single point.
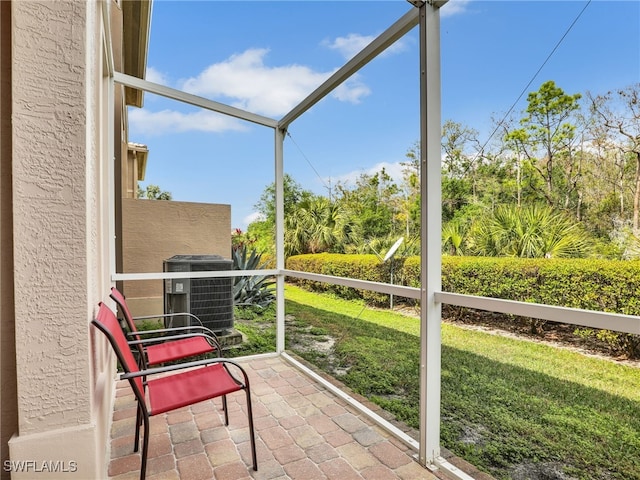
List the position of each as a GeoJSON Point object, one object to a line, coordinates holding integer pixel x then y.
{"type": "Point", "coordinates": [306, 338]}
{"type": "Point", "coordinates": [540, 471]}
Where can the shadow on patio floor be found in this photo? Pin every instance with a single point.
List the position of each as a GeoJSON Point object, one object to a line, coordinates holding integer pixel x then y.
{"type": "Point", "coordinates": [304, 432]}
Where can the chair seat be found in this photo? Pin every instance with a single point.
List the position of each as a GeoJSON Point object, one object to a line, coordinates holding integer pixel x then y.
{"type": "Point", "coordinates": [177, 349]}
{"type": "Point", "coordinates": [189, 387]}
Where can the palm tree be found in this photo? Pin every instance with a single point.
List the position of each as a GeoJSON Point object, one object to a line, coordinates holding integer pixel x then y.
{"type": "Point", "coordinates": [454, 234]}
{"type": "Point", "coordinates": [532, 231]}
{"type": "Point", "coordinates": [318, 225]}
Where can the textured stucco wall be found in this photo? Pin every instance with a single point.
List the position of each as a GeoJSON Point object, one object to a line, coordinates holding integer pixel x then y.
{"type": "Point", "coordinates": [154, 230]}
{"type": "Point", "coordinates": [49, 149]}
{"type": "Point", "coordinates": [58, 271]}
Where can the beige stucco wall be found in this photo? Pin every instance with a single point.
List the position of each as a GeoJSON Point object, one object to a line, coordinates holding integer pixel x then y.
{"type": "Point", "coordinates": [64, 370]}
{"type": "Point", "coordinates": [154, 230]}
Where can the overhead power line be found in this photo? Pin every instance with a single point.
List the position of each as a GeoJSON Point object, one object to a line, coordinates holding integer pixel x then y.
{"type": "Point", "coordinates": [309, 162]}
{"type": "Point", "coordinates": [513, 105]}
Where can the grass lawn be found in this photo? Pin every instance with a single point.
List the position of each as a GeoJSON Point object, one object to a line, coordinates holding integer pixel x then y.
{"type": "Point", "coordinates": [508, 405]}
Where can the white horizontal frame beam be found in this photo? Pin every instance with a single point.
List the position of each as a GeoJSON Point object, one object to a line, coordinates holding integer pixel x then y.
{"type": "Point", "coordinates": [191, 99]}
{"type": "Point", "coordinates": [208, 274]}
{"type": "Point", "coordinates": [377, 46]}
{"type": "Point", "coordinates": [574, 316]}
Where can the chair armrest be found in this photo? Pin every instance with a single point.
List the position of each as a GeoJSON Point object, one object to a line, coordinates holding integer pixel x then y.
{"type": "Point", "coordinates": [193, 329]}
{"type": "Point", "coordinates": [163, 339]}
{"type": "Point", "coordinates": [171, 315]}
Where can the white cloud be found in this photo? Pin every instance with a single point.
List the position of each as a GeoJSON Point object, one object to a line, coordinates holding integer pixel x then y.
{"type": "Point", "coordinates": [244, 81]}
{"type": "Point", "coordinates": [454, 7]}
{"type": "Point", "coordinates": [155, 76]}
{"type": "Point", "coordinates": [252, 217]}
{"type": "Point", "coordinates": [170, 121]}
{"type": "Point", "coordinates": [248, 83]}
{"type": "Point", "coordinates": [350, 45]}
{"type": "Point", "coordinates": [353, 43]}
{"type": "Point", "coordinates": [351, 91]}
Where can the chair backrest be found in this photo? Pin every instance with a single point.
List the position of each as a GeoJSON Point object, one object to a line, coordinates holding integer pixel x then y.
{"type": "Point", "coordinates": [119, 298]}
{"type": "Point", "coordinates": [108, 324]}
{"type": "Point", "coordinates": [122, 304]}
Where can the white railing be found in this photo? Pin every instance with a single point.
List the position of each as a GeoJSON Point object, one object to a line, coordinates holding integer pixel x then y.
{"type": "Point", "coordinates": [573, 316]}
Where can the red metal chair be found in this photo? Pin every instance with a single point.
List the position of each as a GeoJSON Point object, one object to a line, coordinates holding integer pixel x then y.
{"type": "Point", "coordinates": [175, 343]}
{"type": "Point", "coordinates": [181, 385]}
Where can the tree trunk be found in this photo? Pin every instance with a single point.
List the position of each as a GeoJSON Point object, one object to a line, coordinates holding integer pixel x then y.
{"type": "Point", "coordinates": [579, 207]}
{"type": "Point", "coordinates": [636, 196]}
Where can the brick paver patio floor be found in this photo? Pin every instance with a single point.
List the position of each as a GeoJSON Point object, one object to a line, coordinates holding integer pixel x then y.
{"type": "Point", "coordinates": [303, 432]}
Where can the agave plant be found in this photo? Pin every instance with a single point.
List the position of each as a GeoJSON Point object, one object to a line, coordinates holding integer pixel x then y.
{"type": "Point", "coordinates": [251, 290]}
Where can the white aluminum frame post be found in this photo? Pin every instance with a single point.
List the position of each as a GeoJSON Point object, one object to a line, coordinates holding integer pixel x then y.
{"type": "Point", "coordinates": [279, 194]}
{"type": "Point", "coordinates": [430, 233]}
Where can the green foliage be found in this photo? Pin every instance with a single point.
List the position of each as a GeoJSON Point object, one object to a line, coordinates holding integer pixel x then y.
{"type": "Point", "coordinates": [599, 285]}
{"type": "Point", "coordinates": [371, 202]}
{"type": "Point", "coordinates": [533, 231]}
{"type": "Point", "coordinates": [593, 284]}
{"type": "Point", "coordinates": [262, 236]}
{"type": "Point", "coordinates": [262, 231]}
{"type": "Point", "coordinates": [582, 163]}
{"type": "Point", "coordinates": [240, 239]}
{"type": "Point", "coordinates": [318, 225]}
{"type": "Point", "coordinates": [150, 324]}
{"type": "Point", "coordinates": [252, 290]}
{"type": "Point", "coordinates": [258, 327]}
{"type": "Point", "coordinates": [363, 267]}
{"type": "Point", "coordinates": [545, 139]}
{"type": "Point", "coordinates": [153, 192]}
{"type": "Point", "coordinates": [454, 235]}
{"type": "Point", "coordinates": [625, 240]}
{"type": "Point", "coordinates": [456, 194]}
{"type": "Point", "coordinates": [293, 194]}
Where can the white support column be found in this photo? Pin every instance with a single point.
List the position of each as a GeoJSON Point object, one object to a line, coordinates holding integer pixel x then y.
{"type": "Point", "coordinates": [431, 262]}
{"type": "Point", "coordinates": [111, 181]}
{"type": "Point", "coordinates": [279, 183]}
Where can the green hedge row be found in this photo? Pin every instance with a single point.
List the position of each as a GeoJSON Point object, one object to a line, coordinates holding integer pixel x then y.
{"type": "Point", "coordinates": [606, 285]}
{"type": "Point", "coordinates": [602, 285]}
{"type": "Point", "coordinates": [362, 267]}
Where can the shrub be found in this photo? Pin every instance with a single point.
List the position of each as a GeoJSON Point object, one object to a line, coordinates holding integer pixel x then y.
{"type": "Point", "coordinates": [590, 284]}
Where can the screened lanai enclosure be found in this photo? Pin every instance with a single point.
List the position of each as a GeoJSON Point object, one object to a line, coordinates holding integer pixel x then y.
{"type": "Point", "coordinates": [422, 21]}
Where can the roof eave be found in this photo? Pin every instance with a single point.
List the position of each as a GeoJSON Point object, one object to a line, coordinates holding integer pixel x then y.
{"type": "Point", "coordinates": [136, 28]}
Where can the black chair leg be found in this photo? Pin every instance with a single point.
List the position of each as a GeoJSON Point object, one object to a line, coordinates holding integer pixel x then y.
{"type": "Point", "coordinates": [226, 410]}
{"type": "Point", "coordinates": [252, 434]}
{"type": "Point", "coordinates": [136, 444]}
{"type": "Point", "coordinates": [145, 448]}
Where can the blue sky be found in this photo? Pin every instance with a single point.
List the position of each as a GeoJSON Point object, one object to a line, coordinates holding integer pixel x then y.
{"type": "Point", "coordinates": [266, 56]}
